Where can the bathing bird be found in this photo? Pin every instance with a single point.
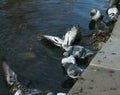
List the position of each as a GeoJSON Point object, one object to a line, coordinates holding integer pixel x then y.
{"type": "Point", "coordinates": [113, 13]}
{"type": "Point", "coordinates": [77, 51]}
{"type": "Point", "coordinates": [97, 22]}
{"type": "Point", "coordinates": [71, 67]}
{"type": "Point", "coordinates": [10, 75]}
{"type": "Point", "coordinates": [15, 86]}
{"type": "Point", "coordinates": [55, 40]}
{"type": "Point", "coordinates": [68, 38]}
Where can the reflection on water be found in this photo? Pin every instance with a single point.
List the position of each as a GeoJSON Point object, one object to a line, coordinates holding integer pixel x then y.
{"type": "Point", "coordinates": [22, 22]}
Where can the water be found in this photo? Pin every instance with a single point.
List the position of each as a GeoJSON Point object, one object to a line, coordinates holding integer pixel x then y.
{"type": "Point", "coordinates": [22, 22]}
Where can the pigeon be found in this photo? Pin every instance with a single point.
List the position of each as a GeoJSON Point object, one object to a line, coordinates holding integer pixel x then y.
{"type": "Point", "coordinates": [70, 36]}
{"type": "Point", "coordinates": [95, 14]}
{"type": "Point", "coordinates": [97, 22]}
{"type": "Point", "coordinates": [68, 39]}
{"type": "Point", "coordinates": [10, 75]}
{"type": "Point", "coordinates": [113, 13]}
{"type": "Point", "coordinates": [71, 67]}
{"type": "Point", "coordinates": [77, 51]}
{"type": "Point", "coordinates": [55, 40]}
{"type": "Point", "coordinates": [15, 86]}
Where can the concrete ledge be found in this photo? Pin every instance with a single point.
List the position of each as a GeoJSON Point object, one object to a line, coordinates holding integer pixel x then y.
{"type": "Point", "coordinates": [109, 55]}
{"type": "Point", "coordinates": [97, 81]}
{"type": "Point", "coordinates": [102, 76]}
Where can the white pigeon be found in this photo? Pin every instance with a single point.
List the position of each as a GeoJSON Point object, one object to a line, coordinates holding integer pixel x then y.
{"type": "Point", "coordinates": [95, 14]}
{"type": "Point", "coordinates": [113, 13]}
{"type": "Point", "coordinates": [77, 51]}
{"type": "Point", "coordinates": [70, 36]}
{"type": "Point", "coordinates": [54, 39]}
{"type": "Point", "coordinates": [68, 39]}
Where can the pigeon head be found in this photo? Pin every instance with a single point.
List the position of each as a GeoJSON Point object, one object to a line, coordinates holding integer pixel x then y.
{"type": "Point", "coordinates": [95, 14]}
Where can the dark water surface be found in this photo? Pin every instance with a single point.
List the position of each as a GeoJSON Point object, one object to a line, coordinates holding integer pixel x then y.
{"type": "Point", "coordinates": [22, 22]}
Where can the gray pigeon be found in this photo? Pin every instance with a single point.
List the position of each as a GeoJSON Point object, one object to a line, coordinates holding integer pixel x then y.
{"type": "Point", "coordinates": [15, 86]}
{"type": "Point", "coordinates": [71, 67]}
{"type": "Point", "coordinates": [77, 51]}
{"type": "Point", "coordinates": [99, 24]}
{"type": "Point", "coordinates": [70, 36]}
